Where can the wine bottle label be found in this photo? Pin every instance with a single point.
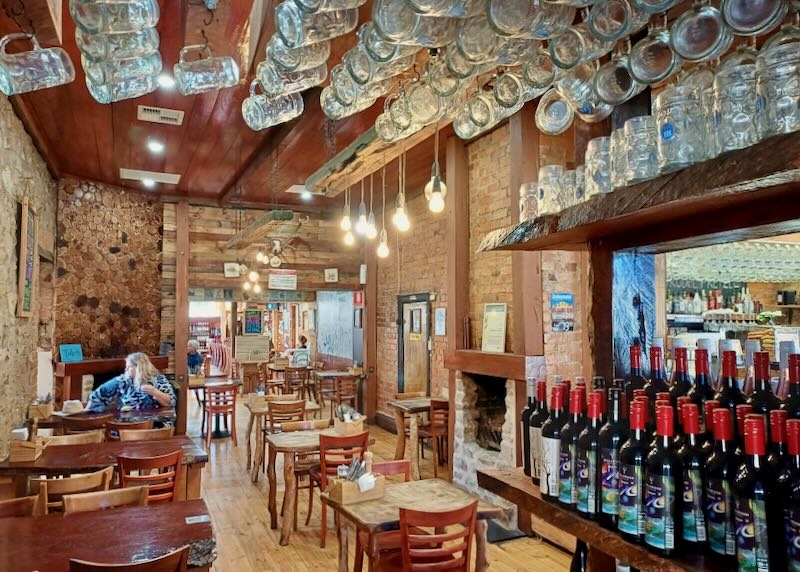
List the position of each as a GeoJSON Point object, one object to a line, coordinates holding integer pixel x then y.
{"type": "Point", "coordinates": [659, 525]}
{"type": "Point", "coordinates": [791, 520]}
{"type": "Point", "coordinates": [752, 550]}
{"type": "Point", "coordinates": [719, 513]}
{"type": "Point", "coordinates": [536, 450]}
{"type": "Point", "coordinates": [586, 476]}
{"type": "Point", "coordinates": [566, 476]}
{"type": "Point", "coordinates": [631, 508]}
{"type": "Point", "coordinates": [694, 522]}
{"type": "Point", "coordinates": [609, 477]}
{"type": "Point", "coordinates": [548, 476]}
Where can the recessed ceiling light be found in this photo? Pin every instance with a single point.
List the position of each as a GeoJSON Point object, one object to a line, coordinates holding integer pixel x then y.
{"type": "Point", "coordinates": [305, 195]}
{"type": "Point", "coordinates": [155, 146]}
{"type": "Point", "coordinates": [149, 183]}
{"type": "Point", "coordinates": [165, 81]}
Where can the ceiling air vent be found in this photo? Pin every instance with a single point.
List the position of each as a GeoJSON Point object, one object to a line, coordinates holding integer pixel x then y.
{"type": "Point", "coordinates": [160, 115]}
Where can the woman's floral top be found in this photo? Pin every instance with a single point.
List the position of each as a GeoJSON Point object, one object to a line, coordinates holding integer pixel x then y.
{"type": "Point", "coordinates": [122, 391]}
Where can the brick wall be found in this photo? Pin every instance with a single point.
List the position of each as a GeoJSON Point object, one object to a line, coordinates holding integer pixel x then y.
{"type": "Point", "coordinates": [22, 174]}
{"type": "Point", "coordinates": [563, 351]}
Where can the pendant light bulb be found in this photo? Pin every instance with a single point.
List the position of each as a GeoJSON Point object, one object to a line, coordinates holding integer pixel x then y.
{"type": "Point", "coordinates": [252, 276]}
{"type": "Point", "coordinates": [400, 219]}
{"type": "Point", "coordinates": [247, 286]}
{"type": "Point", "coordinates": [383, 246]}
{"type": "Point", "coordinates": [257, 288]}
{"type": "Point", "coordinates": [346, 224]}
{"type": "Point", "coordinates": [349, 239]}
{"type": "Point", "coordinates": [436, 204]}
{"type": "Point", "coordinates": [260, 256]}
{"type": "Point", "coordinates": [436, 190]}
{"type": "Point", "coordinates": [372, 230]}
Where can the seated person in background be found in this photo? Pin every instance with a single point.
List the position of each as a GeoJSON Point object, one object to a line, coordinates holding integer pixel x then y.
{"type": "Point", "coordinates": [300, 356]}
{"type": "Point", "coordinates": [142, 386]}
{"type": "Point", "coordinates": [195, 357]}
{"type": "Point", "coordinates": [303, 342]}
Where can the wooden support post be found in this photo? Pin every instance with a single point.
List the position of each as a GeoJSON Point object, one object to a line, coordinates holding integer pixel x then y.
{"type": "Point", "coordinates": [599, 328]}
{"type": "Point", "coordinates": [457, 179]}
{"type": "Point", "coordinates": [371, 334]}
{"type": "Point", "coordinates": [182, 311]}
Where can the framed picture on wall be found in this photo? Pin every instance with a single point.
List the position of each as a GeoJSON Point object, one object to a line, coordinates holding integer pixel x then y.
{"type": "Point", "coordinates": [28, 257]}
{"type": "Point", "coordinates": [331, 274]}
{"type": "Point", "coordinates": [231, 270]}
{"type": "Point", "coordinates": [494, 328]}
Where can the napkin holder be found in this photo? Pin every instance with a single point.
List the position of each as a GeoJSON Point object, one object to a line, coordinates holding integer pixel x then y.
{"type": "Point", "coordinates": [40, 410]}
{"type": "Point", "coordinates": [346, 428]}
{"type": "Point", "coordinates": [28, 451]}
{"type": "Point", "coordinates": [345, 492]}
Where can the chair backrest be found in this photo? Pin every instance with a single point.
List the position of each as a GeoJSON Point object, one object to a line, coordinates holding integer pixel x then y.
{"type": "Point", "coordinates": [80, 424]}
{"type": "Point", "coordinates": [207, 366]}
{"type": "Point", "coordinates": [346, 386]}
{"type": "Point", "coordinates": [146, 434]}
{"type": "Point", "coordinates": [410, 395]}
{"type": "Point", "coordinates": [52, 491]}
{"type": "Point", "coordinates": [310, 425]}
{"type": "Point", "coordinates": [87, 437]}
{"type": "Point", "coordinates": [296, 377]}
{"type": "Point", "coordinates": [23, 506]}
{"type": "Point", "coordinates": [440, 410]}
{"type": "Point", "coordinates": [113, 428]}
{"type": "Point", "coordinates": [160, 474]}
{"type": "Point", "coordinates": [173, 562]}
{"type": "Point", "coordinates": [281, 412]}
{"type": "Point", "coordinates": [101, 500]}
{"type": "Point", "coordinates": [335, 450]}
{"type": "Point", "coordinates": [221, 399]}
{"type": "Point", "coordinates": [437, 551]}
{"type": "Point", "coordinates": [389, 468]}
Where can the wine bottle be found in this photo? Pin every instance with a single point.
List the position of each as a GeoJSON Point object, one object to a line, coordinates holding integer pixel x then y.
{"type": "Point", "coordinates": [694, 462]}
{"type": "Point", "coordinates": [708, 437]}
{"type": "Point", "coordinates": [612, 436]}
{"type": "Point", "coordinates": [656, 384]}
{"type": "Point", "coordinates": [580, 559]}
{"type": "Point", "coordinates": [792, 403]}
{"type": "Point", "coordinates": [728, 394]}
{"type": "Point", "coordinates": [762, 399]}
{"type": "Point", "coordinates": [567, 482]}
{"type": "Point", "coordinates": [650, 424]}
{"type": "Point", "coordinates": [680, 433]}
{"type": "Point", "coordinates": [663, 512]}
{"type": "Point", "coordinates": [701, 389]}
{"type": "Point", "coordinates": [537, 419]}
{"type": "Point", "coordinates": [759, 538]}
{"type": "Point", "coordinates": [632, 458]}
{"type": "Point", "coordinates": [551, 444]}
{"type": "Point", "coordinates": [525, 419]}
{"type": "Point", "coordinates": [789, 493]}
{"type": "Point", "coordinates": [720, 471]}
{"type": "Point", "coordinates": [588, 460]}
{"type": "Point", "coordinates": [681, 384]}
{"type": "Point", "coordinates": [634, 379]}
{"type": "Point", "coordinates": [777, 455]}
{"type": "Point", "coordinates": [750, 349]}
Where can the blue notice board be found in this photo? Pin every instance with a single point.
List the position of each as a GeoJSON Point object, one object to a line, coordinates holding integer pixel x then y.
{"type": "Point", "coordinates": [70, 353]}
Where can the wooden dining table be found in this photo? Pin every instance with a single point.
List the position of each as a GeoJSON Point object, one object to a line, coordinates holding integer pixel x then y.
{"type": "Point", "coordinates": [431, 495]}
{"type": "Point", "coordinates": [158, 415]}
{"type": "Point", "coordinates": [68, 459]}
{"type": "Point", "coordinates": [119, 535]}
{"type": "Point", "coordinates": [290, 444]}
{"type": "Point", "coordinates": [411, 408]}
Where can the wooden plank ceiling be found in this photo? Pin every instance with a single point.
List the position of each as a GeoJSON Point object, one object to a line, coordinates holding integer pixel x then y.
{"type": "Point", "coordinates": [219, 158]}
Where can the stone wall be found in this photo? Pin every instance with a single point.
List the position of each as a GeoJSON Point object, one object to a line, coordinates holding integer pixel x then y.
{"type": "Point", "coordinates": [23, 173]}
{"type": "Point", "coordinates": [108, 275]}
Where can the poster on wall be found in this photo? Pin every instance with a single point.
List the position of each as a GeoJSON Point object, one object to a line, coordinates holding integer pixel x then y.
{"type": "Point", "coordinates": [440, 322]}
{"type": "Point", "coordinates": [252, 322]}
{"type": "Point", "coordinates": [562, 309]}
{"type": "Point", "coordinates": [282, 279]}
{"type": "Point", "coordinates": [28, 259]}
{"type": "Point", "coordinates": [494, 328]}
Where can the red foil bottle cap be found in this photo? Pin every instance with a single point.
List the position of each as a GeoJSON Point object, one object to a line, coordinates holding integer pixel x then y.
{"type": "Point", "coordinates": [794, 368]}
{"type": "Point", "coordinates": [723, 425]}
{"type": "Point", "coordinates": [761, 361]}
{"type": "Point", "coordinates": [557, 397]}
{"type": "Point", "coordinates": [594, 405]}
{"type": "Point", "coordinates": [638, 418]}
{"type": "Point", "coordinates": [655, 358]}
{"type": "Point", "coordinates": [708, 412]}
{"type": "Point", "coordinates": [793, 436]}
{"type": "Point", "coordinates": [576, 401]}
{"type": "Point", "coordinates": [777, 425]}
{"type": "Point", "coordinates": [639, 393]}
{"type": "Point", "coordinates": [636, 357]}
{"type": "Point", "coordinates": [663, 395]}
{"type": "Point", "coordinates": [691, 418]}
{"type": "Point", "coordinates": [701, 361]}
{"type": "Point", "coordinates": [754, 435]}
{"type": "Point", "coordinates": [729, 364]}
{"type": "Point", "coordinates": [742, 411]}
{"type": "Point", "coordinates": [665, 425]}
{"type": "Point", "coordinates": [541, 390]}
{"type": "Point", "coordinates": [681, 360]}
{"type": "Point", "coordinates": [645, 401]}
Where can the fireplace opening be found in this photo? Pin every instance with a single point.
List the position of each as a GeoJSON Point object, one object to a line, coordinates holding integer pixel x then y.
{"type": "Point", "coordinates": [490, 411]}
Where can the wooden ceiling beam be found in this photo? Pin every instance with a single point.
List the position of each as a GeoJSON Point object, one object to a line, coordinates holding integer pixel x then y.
{"type": "Point", "coordinates": [258, 229]}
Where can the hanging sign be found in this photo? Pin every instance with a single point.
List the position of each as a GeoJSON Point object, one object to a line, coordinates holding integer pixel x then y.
{"type": "Point", "coordinates": [282, 280]}
{"type": "Point", "coordinates": [562, 309]}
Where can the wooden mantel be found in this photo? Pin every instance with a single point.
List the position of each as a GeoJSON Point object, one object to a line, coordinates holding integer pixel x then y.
{"type": "Point", "coordinates": [507, 366]}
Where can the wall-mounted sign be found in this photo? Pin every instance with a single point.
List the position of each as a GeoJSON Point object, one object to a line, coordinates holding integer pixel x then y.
{"type": "Point", "coordinates": [231, 270]}
{"type": "Point", "coordinates": [282, 279]}
{"type": "Point", "coordinates": [358, 298]}
{"type": "Point", "coordinates": [253, 321]}
{"type": "Point", "coordinates": [562, 309]}
{"type": "Point", "coordinates": [440, 322]}
{"type": "Point", "coordinates": [494, 328]}
{"type": "Point", "coordinates": [362, 274]}
{"type": "Point", "coordinates": [70, 353]}
{"type": "Point", "coordinates": [331, 275]}
{"type": "Point", "coordinates": [289, 296]}
{"type": "Point", "coordinates": [28, 259]}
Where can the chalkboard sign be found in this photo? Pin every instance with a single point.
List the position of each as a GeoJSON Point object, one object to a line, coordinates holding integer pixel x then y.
{"type": "Point", "coordinates": [70, 353]}
{"type": "Point", "coordinates": [252, 322]}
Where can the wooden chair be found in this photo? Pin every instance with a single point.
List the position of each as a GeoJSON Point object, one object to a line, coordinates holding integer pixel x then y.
{"type": "Point", "coordinates": [297, 381]}
{"type": "Point", "coordinates": [176, 561]}
{"type": "Point", "coordinates": [159, 474]}
{"type": "Point", "coordinates": [446, 540]}
{"type": "Point", "coordinates": [303, 462]}
{"type": "Point", "coordinates": [88, 437]}
{"type": "Point", "coordinates": [52, 491]}
{"type": "Point", "coordinates": [437, 431]}
{"type": "Point", "coordinates": [23, 506]}
{"type": "Point", "coordinates": [81, 424]}
{"type": "Point", "coordinates": [279, 412]}
{"type": "Point", "coordinates": [113, 428]}
{"type": "Point", "coordinates": [101, 500]}
{"type": "Point", "coordinates": [146, 434]}
{"type": "Point", "coordinates": [220, 401]}
{"type": "Point", "coordinates": [345, 390]}
{"type": "Point", "coordinates": [271, 386]}
{"type": "Point", "coordinates": [333, 451]}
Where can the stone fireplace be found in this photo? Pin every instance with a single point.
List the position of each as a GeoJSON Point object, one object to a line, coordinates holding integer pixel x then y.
{"type": "Point", "coordinates": [485, 433]}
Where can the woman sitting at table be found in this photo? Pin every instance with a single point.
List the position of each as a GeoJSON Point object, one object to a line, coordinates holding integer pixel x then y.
{"type": "Point", "coordinates": [142, 386]}
{"type": "Point", "coordinates": [194, 357]}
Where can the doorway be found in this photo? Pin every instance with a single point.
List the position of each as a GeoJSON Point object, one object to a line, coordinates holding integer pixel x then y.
{"type": "Point", "coordinates": [413, 355]}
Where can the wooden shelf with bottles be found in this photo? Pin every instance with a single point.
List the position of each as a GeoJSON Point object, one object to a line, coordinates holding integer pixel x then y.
{"type": "Point", "coordinates": [751, 193]}
{"type": "Point", "coordinates": [604, 545]}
